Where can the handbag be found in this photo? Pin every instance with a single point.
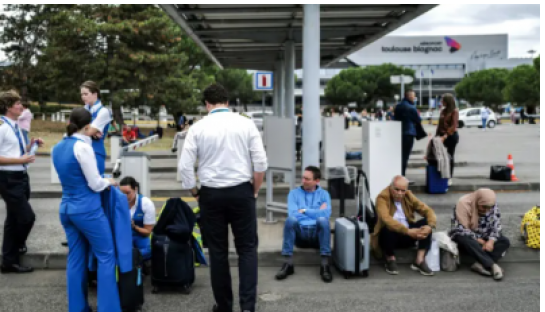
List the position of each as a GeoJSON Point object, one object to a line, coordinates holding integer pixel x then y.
{"type": "Point", "coordinates": [500, 173]}
{"type": "Point", "coordinates": [530, 228]}
{"type": "Point", "coordinates": [449, 262]}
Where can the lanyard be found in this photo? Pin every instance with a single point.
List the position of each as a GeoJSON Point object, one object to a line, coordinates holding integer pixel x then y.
{"type": "Point", "coordinates": [220, 110]}
{"type": "Point", "coordinates": [17, 134]}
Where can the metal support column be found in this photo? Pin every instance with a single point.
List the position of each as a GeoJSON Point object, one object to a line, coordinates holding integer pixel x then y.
{"type": "Point", "coordinates": [289, 74]}
{"type": "Point", "coordinates": [280, 79]}
{"type": "Point", "coordinates": [312, 122]}
{"type": "Point", "coordinates": [276, 91]}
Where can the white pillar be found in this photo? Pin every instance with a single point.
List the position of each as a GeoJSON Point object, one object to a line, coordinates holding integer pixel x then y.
{"type": "Point", "coordinates": [53, 117]}
{"type": "Point", "coordinates": [58, 116]}
{"type": "Point", "coordinates": [289, 83]}
{"type": "Point", "coordinates": [115, 148]}
{"type": "Point", "coordinates": [43, 116]}
{"type": "Point", "coordinates": [63, 118]}
{"type": "Point", "coordinates": [311, 86]}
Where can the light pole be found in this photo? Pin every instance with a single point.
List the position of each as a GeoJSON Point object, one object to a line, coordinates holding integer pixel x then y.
{"type": "Point", "coordinates": [532, 52]}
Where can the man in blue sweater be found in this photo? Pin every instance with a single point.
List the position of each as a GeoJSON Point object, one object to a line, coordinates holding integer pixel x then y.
{"type": "Point", "coordinates": [407, 114]}
{"type": "Point", "coordinates": [307, 226]}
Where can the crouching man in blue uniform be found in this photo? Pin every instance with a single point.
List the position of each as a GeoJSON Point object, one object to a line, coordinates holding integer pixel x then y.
{"type": "Point", "coordinates": [82, 216]}
{"type": "Point", "coordinates": [143, 216]}
{"type": "Point", "coordinates": [307, 226]}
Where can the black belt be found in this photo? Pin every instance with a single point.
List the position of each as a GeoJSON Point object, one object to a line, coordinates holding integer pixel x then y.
{"type": "Point", "coordinates": [15, 172]}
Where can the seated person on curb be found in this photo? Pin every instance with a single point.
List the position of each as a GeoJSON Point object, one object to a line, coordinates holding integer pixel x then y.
{"type": "Point", "coordinates": [397, 226]}
{"type": "Point", "coordinates": [142, 214]}
{"type": "Point", "coordinates": [307, 226]}
{"type": "Point", "coordinates": [129, 136]}
{"type": "Point", "coordinates": [477, 230]}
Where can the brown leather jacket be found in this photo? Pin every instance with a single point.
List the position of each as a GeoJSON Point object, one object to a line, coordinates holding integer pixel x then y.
{"type": "Point", "coordinates": [385, 210]}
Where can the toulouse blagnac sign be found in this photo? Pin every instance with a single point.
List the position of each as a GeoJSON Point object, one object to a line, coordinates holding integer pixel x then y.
{"type": "Point", "coordinates": [426, 47]}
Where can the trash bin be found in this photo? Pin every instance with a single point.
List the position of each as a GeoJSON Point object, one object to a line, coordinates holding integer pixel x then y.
{"type": "Point", "coordinates": [337, 187]}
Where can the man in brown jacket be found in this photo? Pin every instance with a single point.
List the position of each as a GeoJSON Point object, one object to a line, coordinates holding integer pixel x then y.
{"type": "Point", "coordinates": [397, 227]}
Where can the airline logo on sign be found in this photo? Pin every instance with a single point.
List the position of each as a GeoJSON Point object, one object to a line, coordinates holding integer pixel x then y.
{"type": "Point", "coordinates": [263, 81]}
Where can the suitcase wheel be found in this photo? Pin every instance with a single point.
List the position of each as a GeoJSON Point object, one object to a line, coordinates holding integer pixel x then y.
{"type": "Point", "coordinates": [346, 275]}
{"type": "Point", "coordinates": [365, 273]}
{"type": "Point", "coordinates": [155, 290]}
{"type": "Point", "coordinates": [186, 290]}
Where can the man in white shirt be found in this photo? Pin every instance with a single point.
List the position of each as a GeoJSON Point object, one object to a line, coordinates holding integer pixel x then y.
{"type": "Point", "coordinates": [227, 145]}
{"type": "Point", "coordinates": [14, 184]}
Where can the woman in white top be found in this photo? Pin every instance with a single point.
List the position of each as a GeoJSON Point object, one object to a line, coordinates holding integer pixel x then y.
{"type": "Point", "coordinates": [142, 214]}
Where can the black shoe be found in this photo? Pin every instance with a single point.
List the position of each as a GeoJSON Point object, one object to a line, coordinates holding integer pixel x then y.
{"type": "Point", "coordinates": [287, 269]}
{"type": "Point", "coordinates": [215, 308]}
{"type": "Point", "coordinates": [23, 250]}
{"type": "Point", "coordinates": [391, 267]}
{"type": "Point", "coordinates": [15, 268]}
{"type": "Point", "coordinates": [423, 268]}
{"type": "Point", "coordinates": [65, 244]}
{"type": "Point", "coordinates": [325, 272]}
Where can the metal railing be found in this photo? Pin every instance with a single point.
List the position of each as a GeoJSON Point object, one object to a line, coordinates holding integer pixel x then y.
{"type": "Point", "coordinates": [131, 147]}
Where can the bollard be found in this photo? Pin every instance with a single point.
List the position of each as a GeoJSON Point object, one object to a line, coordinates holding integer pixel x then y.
{"type": "Point", "coordinates": [136, 165]}
{"type": "Point", "coordinates": [63, 120]}
{"type": "Point", "coordinates": [54, 176]}
{"type": "Point", "coordinates": [43, 116]}
{"type": "Point", "coordinates": [117, 167]}
{"type": "Point", "coordinates": [58, 118]}
{"type": "Point", "coordinates": [115, 147]}
{"type": "Point", "coordinates": [53, 117]}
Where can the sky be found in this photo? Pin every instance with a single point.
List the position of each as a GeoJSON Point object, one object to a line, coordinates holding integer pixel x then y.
{"type": "Point", "coordinates": [520, 21]}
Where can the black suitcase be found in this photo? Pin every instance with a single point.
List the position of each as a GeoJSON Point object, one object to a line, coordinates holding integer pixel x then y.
{"type": "Point", "coordinates": [131, 285]}
{"type": "Point", "coordinates": [172, 264]}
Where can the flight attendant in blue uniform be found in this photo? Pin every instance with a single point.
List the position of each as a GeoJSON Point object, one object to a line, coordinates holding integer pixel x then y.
{"type": "Point", "coordinates": [143, 216]}
{"type": "Point", "coordinates": [101, 119]}
{"type": "Point", "coordinates": [82, 217]}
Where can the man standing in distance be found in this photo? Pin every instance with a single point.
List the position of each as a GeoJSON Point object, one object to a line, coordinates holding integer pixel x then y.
{"type": "Point", "coordinates": [407, 114]}
{"type": "Point", "coordinates": [226, 145]}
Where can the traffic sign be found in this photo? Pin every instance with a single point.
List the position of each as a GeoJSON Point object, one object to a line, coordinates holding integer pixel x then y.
{"type": "Point", "coordinates": [263, 81]}
{"type": "Point", "coordinates": [398, 79]}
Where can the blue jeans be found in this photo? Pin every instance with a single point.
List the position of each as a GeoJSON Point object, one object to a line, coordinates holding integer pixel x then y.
{"type": "Point", "coordinates": [484, 123]}
{"type": "Point", "coordinates": [307, 236]}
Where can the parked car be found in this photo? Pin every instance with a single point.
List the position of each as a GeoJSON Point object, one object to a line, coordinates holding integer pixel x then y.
{"type": "Point", "coordinates": [471, 117]}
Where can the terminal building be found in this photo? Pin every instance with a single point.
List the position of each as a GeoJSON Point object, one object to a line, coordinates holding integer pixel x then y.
{"type": "Point", "coordinates": [446, 59]}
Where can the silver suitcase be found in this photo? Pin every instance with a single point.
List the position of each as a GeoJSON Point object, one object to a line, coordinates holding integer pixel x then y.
{"type": "Point", "coordinates": [351, 249]}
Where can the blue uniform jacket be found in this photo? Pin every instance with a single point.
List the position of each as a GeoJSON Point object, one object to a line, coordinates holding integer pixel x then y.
{"type": "Point", "coordinates": [116, 209]}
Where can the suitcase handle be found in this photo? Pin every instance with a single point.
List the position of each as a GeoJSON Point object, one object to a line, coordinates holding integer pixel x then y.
{"type": "Point", "coordinates": [359, 203]}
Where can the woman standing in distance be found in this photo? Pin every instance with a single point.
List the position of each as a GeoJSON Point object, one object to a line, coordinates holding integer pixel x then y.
{"type": "Point", "coordinates": [83, 218]}
{"type": "Point", "coordinates": [447, 128]}
{"type": "Point", "coordinates": [101, 119]}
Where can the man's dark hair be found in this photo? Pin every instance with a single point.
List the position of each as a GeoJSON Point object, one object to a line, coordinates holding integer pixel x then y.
{"type": "Point", "coordinates": [408, 91]}
{"type": "Point", "coordinates": [316, 173]}
{"type": "Point", "coordinates": [215, 94]}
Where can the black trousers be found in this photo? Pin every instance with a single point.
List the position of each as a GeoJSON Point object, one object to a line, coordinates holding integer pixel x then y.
{"type": "Point", "coordinates": [450, 144]}
{"type": "Point", "coordinates": [15, 190]}
{"type": "Point", "coordinates": [472, 247]}
{"type": "Point", "coordinates": [407, 147]}
{"type": "Point", "coordinates": [390, 240]}
{"type": "Point", "coordinates": [219, 208]}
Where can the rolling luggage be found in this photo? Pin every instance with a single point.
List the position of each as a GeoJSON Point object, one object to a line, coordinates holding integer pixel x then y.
{"type": "Point", "coordinates": [434, 183]}
{"type": "Point", "coordinates": [172, 264]}
{"type": "Point", "coordinates": [351, 249]}
{"type": "Point", "coordinates": [131, 286]}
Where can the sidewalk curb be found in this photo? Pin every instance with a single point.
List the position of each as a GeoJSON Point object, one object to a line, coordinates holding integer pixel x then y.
{"type": "Point", "coordinates": [273, 258]}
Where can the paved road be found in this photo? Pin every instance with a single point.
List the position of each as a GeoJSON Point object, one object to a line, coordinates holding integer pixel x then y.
{"type": "Point", "coordinates": [45, 291]}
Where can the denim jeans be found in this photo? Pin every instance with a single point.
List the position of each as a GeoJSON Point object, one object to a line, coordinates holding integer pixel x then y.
{"type": "Point", "coordinates": [484, 123]}
{"type": "Point", "coordinates": [307, 236]}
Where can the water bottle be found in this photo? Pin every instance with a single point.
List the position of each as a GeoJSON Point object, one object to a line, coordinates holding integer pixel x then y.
{"type": "Point", "coordinates": [33, 149]}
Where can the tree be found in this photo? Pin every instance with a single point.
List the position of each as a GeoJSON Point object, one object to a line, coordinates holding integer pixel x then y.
{"type": "Point", "coordinates": [24, 27]}
{"type": "Point", "coordinates": [536, 63]}
{"type": "Point", "coordinates": [523, 86]}
{"type": "Point", "coordinates": [484, 86]}
{"type": "Point", "coordinates": [365, 84]}
{"type": "Point", "coordinates": [238, 83]}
